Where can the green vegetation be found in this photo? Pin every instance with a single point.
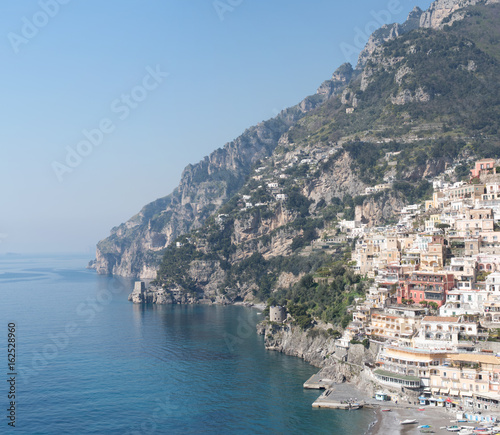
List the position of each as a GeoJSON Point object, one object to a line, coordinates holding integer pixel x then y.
{"type": "Point", "coordinates": [494, 334]}
{"type": "Point", "coordinates": [327, 302]}
{"type": "Point", "coordinates": [414, 193]}
{"type": "Point", "coordinates": [365, 342]}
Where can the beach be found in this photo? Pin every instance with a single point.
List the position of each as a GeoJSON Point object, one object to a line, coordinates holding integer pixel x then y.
{"type": "Point", "coordinates": [388, 423]}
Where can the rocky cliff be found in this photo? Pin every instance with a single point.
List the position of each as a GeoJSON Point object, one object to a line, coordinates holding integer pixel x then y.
{"type": "Point", "coordinates": [319, 349]}
{"type": "Point", "coordinates": [440, 13]}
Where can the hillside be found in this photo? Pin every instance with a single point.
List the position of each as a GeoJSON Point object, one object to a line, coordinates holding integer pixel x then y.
{"type": "Point", "coordinates": [135, 247]}
{"type": "Point", "coordinates": [249, 221]}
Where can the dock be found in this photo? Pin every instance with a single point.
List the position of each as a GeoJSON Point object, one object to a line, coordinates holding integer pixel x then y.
{"type": "Point", "coordinates": [329, 400]}
{"type": "Point", "coordinates": [344, 396]}
{"type": "Point", "coordinates": [315, 382]}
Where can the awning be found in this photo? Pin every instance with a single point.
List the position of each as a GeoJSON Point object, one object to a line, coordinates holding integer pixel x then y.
{"type": "Point", "coordinates": [444, 391]}
{"type": "Point", "coordinates": [466, 394]}
{"type": "Point", "coordinates": [435, 390]}
{"type": "Point", "coordinates": [454, 392]}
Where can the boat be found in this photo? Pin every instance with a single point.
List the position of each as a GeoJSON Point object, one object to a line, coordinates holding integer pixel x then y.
{"type": "Point", "coordinates": [408, 421]}
{"type": "Point", "coordinates": [386, 410]}
{"type": "Point", "coordinates": [424, 426]}
{"type": "Point", "coordinates": [453, 428]}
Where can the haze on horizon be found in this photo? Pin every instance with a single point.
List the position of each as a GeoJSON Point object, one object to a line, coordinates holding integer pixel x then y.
{"type": "Point", "coordinates": [153, 86]}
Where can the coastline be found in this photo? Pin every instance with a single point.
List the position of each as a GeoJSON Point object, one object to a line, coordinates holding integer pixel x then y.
{"type": "Point", "coordinates": [388, 423]}
{"type": "Point", "coordinates": [383, 423]}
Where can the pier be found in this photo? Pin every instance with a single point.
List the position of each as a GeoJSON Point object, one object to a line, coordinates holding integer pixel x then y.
{"type": "Point", "coordinates": [329, 400]}
{"type": "Point", "coordinates": [315, 382]}
{"type": "Point", "coordinates": [344, 396]}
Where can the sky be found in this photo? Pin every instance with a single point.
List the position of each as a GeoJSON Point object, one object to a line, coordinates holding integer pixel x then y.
{"type": "Point", "coordinates": [105, 103]}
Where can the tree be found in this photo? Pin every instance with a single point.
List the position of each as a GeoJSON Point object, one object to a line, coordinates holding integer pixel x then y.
{"type": "Point", "coordinates": [433, 305]}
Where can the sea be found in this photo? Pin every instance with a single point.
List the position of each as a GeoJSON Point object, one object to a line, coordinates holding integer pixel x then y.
{"type": "Point", "coordinates": [88, 361]}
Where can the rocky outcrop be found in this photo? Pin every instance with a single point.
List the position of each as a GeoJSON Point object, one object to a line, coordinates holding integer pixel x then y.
{"type": "Point", "coordinates": [376, 211]}
{"type": "Point", "coordinates": [318, 348]}
{"type": "Point", "coordinates": [443, 12]}
{"type": "Point", "coordinates": [340, 78]}
{"type": "Point", "coordinates": [336, 180]}
{"type": "Point", "coordinates": [406, 96]}
{"type": "Point", "coordinates": [431, 168]}
{"type": "Point", "coordinates": [439, 14]}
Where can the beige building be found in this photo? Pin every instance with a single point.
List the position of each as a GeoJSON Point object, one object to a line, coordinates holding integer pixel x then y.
{"type": "Point", "coordinates": [468, 191]}
{"type": "Point", "coordinates": [408, 361]}
{"type": "Point", "coordinates": [433, 259]}
{"type": "Point", "coordinates": [391, 326]}
{"type": "Point", "coordinates": [472, 377]}
{"type": "Point", "coordinates": [473, 227]}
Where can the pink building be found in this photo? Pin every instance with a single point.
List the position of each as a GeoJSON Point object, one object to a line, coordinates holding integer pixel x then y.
{"type": "Point", "coordinates": [483, 167]}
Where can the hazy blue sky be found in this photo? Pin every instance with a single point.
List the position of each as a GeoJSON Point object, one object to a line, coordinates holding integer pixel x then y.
{"type": "Point", "coordinates": [72, 65]}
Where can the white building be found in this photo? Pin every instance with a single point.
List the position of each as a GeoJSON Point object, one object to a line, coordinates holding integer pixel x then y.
{"type": "Point", "coordinates": [443, 332]}
{"type": "Point", "coordinates": [493, 283]}
{"type": "Point", "coordinates": [460, 302]}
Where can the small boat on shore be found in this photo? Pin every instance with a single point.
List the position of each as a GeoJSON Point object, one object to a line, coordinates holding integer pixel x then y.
{"type": "Point", "coordinates": [386, 410]}
{"type": "Point", "coordinates": [408, 421]}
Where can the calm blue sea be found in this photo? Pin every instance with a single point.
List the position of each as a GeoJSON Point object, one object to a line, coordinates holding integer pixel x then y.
{"type": "Point", "coordinates": [90, 362]}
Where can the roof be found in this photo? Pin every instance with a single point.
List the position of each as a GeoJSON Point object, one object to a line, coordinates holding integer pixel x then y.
{"type": "Point", "coordinates": [440, 319]}
{"type": "Point", "coordinates": [476, 358]}
{"type": "Point", "coordinates": [396, 375]}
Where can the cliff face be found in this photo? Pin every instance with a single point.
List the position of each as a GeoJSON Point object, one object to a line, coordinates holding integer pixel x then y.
{"type": "Point", "coordinates": [204, 187]}
{"type": "Point", "coordinates": [317, 348]}
{"type": "Point", "coordinates": [439, 14]}
{"type": "Point", "coordinates": [376, 211]}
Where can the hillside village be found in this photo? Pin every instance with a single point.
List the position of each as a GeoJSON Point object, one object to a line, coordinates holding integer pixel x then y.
{"type": "Point", "coordinates": [434, 304]}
